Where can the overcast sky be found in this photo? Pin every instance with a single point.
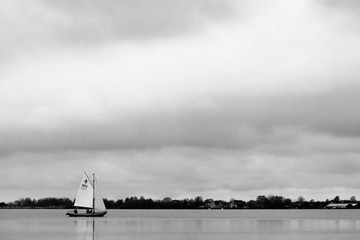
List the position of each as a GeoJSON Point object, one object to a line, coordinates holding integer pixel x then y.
{"type": "Point", "coordinates": [218, 98]}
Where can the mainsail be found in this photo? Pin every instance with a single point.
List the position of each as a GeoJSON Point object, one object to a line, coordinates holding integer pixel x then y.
{"type": "Point", "coordinates": [89, 195]}
{"type": "Point", "coordinates": [84, 196]}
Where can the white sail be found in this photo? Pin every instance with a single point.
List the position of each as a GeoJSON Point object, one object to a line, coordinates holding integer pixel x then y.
{"type": "Point", "coordinates": [84, 196]}
{"type": "Point", "coordinates": [99, 202]}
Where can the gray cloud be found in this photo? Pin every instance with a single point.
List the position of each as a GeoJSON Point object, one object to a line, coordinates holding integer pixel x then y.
{"type": "Point", "coordinates": [46, 24]}
{"type": "Point", "coordinates": [341, 5]}
{"type": "Point", "coordinates": [242, 123]}
{"type": "Point", "coordinates": [215, 98]}
{"type": "Point", "coordinates": [120, 20]}
{"type": "Point", "coordinates": [180, 172]}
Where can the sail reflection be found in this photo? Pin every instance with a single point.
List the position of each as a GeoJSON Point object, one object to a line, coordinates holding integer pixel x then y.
{"type": "Point", "coordinates": [85, 228]}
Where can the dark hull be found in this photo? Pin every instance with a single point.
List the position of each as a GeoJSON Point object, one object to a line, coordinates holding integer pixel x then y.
{"type": "Point", "coordinates": [96, 214]}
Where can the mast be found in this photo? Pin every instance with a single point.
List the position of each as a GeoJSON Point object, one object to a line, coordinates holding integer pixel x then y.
{"type": "Point", "coordinates": [94, 192]}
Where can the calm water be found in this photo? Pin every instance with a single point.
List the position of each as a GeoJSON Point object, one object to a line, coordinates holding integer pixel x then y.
{"type": "Point", "coordinates": [182, 224]}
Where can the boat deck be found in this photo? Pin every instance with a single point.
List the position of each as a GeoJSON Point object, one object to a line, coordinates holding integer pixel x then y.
{"type": "Point", "coordinates": [95, 214]}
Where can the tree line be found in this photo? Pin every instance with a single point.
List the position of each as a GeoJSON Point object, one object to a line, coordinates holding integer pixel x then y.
{"type": "Point", "coordinates": [261, 202]}
{"type": "Point", "coordinates": [40, 203]}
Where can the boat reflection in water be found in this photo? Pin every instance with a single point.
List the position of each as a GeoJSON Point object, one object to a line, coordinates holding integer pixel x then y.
{"type": "Point", "coordinates": [85, 228]}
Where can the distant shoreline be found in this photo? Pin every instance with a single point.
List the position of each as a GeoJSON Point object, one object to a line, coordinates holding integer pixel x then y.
{"type": "Point", "coordinates": [200, 209]}
{"type": "Point", "coordinates": [261, 202]}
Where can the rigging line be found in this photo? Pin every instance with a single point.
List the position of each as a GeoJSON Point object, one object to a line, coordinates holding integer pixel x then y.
{"type": "Point", "coordinates": [89, 180]}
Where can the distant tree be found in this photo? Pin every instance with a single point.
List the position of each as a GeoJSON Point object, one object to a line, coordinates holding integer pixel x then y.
{"type": "Point", "coordinates": [209, 200]}
{"type": "Point", "coordinates": [251, 204]}
{"type": "Point", "coordinates": [312, 204]}
{"type": "Point", "coordinates": [198, 202]}
{"type": "Point", "coordinates": [54, 203]}
{"type": "Point", "coordinates": [118, 203]}
{"type": "Point", "coordinates": [109, 204]}
{"type": "Point", "coordinates": [300, 202]}
{"type": "Point", "coordinates": [149, 203]}
{"type": "Point", "coordinates": [353, 199]}
{"type": "Point", "coordinates": [167, 199]}
{"type": "Point", "coordinates": [262, 202]}
{"type": "Point", "coordinates": [301, 199]}
{"type": "Point", "coordinates": [29, 203]}
{"type": "Point", "coordinates": [241, 204]}
{"type": "Point", "coordinates": [336, 199]}
{"type": "Point", "coordinates": [288, 203]}
{"type": "Point", "coordinates": [275, 202]}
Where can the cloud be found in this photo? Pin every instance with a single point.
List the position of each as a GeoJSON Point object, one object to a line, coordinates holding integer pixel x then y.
{"type": "Point", "coordinates": [188, 97]}
{"type": "Point", "coordinates": [181, 173]}
{"type": "Point", "coordinates": [288, 124]}
{"type": "Point", "coordinates": [137, 19]}
{"type": "Point", "coordinates": [43, 25]}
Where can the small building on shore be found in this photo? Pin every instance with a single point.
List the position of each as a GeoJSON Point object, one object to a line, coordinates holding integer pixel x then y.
{"type": "Point", "coordinates": [340, 205]}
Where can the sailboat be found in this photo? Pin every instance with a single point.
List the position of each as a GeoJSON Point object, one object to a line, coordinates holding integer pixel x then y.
{"type": "Point", "coordinates": [88, 197]}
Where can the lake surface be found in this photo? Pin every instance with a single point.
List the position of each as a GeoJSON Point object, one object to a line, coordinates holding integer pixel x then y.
{"type": "Point", "coordinates": [16, 224]}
